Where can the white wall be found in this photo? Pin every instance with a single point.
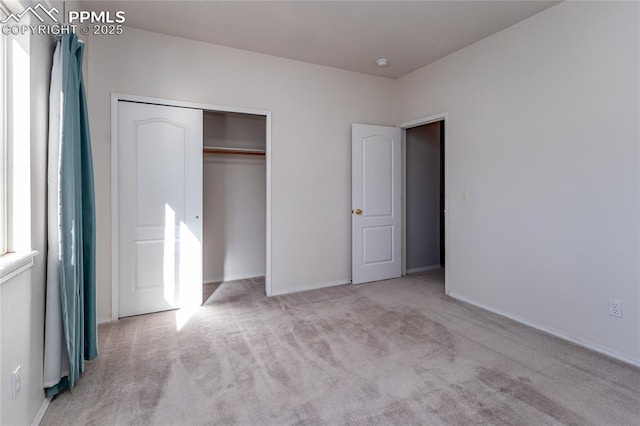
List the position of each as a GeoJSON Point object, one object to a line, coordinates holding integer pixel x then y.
{"type": "Point", "coordinates": [21, 323]}
{"type": "Point", "coordinates": [312, 111]}
{"type": "Point", "coordinates": [422, 172]}
{"type": "Point", "coordinates": [234, 199]}
{"type": "Point", "coordinates": [22, 298]}
{"type": "Point", "coordinates": [543, 132]}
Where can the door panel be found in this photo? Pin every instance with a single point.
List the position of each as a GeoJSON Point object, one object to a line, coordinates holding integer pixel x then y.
{"type": "Point", "coordinates": [168, 154]}
{"type": "Point", "coordinates": [377, 161]}
{"type": "Point", "coordinates": [377, 244]}
{"type": "Point", "coordinates": [376, 214]}
{"type": "Point", "coordinates": [160, 207]}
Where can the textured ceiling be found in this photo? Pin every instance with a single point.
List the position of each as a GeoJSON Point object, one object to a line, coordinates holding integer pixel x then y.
{"type": "Point", "coordinates": [342, 34]}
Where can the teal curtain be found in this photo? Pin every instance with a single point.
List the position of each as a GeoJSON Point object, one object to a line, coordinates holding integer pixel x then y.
{"type": "Point", "coordinates": [72, 259]}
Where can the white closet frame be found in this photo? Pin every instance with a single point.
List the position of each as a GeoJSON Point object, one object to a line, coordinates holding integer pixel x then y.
{"type": "Point", "coordinates": [117, 97]}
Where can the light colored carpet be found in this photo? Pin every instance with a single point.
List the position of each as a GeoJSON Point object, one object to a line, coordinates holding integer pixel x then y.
{"type": "Point", "coordinates": [392, 352]}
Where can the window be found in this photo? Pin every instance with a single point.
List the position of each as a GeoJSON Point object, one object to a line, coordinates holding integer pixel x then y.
{"type": "Point", "coordinates": [16, 254]}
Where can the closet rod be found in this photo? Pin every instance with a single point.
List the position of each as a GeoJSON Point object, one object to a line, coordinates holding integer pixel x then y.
{"type": "Point", "coordinates": [232, 151]}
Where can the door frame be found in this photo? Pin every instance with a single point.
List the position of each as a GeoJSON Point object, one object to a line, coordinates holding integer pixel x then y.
{"type": "Point", "coordinates": [443, 116]}
{"type": "Point", "coordinates": [115, 99]}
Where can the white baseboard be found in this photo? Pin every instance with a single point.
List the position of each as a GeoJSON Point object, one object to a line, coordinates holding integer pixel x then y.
{"type": "Point", "coordinates": [310, 286]}
{"type": "Point", "coordinates": [104, 320]}
{"type": "Point", "coordinates": [576, 340]}
{"type": "Point", "coordinates": [423, 268]}
{"type": "Point", "coordinates": [234, 277]}
{"type": "Point", "coordinates": [41, 412]}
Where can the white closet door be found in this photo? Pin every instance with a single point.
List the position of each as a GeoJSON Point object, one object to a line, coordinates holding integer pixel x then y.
{"type": "Point", "coordinates": [160, 208]}
{"type": "Point", "coordinates": [376, 213]}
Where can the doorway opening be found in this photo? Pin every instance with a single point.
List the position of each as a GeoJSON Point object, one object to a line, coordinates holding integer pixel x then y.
{"type": "Point", "coordinates": [234, 200]}
{"type": "Point", "coordinates": [380, 227]}
{"type": "Point", "coordinates": [143, 186]}
{"type": "Point", "coordinates": [424, 199]}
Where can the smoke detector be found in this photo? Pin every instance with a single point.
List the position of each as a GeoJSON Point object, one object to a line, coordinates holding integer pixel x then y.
{"type": "Point", "coordinates": [382, 62]}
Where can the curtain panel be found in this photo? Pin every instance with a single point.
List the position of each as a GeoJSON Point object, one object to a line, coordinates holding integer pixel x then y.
{"type": "Point", "coordinates": [70, 326]}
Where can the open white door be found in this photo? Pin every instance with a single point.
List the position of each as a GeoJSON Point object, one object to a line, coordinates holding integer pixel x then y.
{"type": "Point", "coordinates": [376, 210]}
{"type": "Point", "coordinates": [159, 208]}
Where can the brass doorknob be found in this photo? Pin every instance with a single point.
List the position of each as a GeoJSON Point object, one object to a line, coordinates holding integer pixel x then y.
{"type": "Point", "coordinates": [356, 211]}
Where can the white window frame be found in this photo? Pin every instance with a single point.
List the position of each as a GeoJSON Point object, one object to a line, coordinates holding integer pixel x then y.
{"type": "Point", "coordinates": [4, 138]}
{"type": "Point", "coordinates": [12, 262]}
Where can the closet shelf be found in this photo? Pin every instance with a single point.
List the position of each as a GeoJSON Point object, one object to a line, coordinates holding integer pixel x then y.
{"type": "Point", "coordinates": [231, 151]}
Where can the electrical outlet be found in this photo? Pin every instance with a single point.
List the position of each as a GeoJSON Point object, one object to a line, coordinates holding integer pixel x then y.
{"type": "Point", "coordinates": [16, 382]}
{"type": "Point", "coordinates": [615, 308]}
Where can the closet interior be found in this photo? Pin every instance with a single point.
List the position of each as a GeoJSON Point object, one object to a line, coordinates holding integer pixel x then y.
{"type": "Point", "coordinates": [234, 197]}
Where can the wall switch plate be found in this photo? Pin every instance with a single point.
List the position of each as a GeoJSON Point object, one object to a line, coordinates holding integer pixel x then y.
{"type": "Point", "coordinates": [465, 194]}
{"type": "Point", "coordinates": [615, 308]}
{"type": "Point", "coordinates": [16, 382]}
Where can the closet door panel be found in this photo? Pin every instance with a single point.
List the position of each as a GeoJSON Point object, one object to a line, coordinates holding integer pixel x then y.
{"type": "Point", "coordinates": [160, 208]}
{"type": "Point", "coordinates": [161, 181]}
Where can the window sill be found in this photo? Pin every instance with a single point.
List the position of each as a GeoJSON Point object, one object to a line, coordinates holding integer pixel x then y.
{"type": "Point", "coordinates": [12, 264]}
